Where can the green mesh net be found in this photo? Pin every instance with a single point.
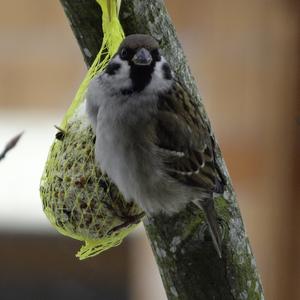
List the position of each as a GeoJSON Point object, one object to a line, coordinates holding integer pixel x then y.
{"type": "Point", "coordinates": [78, 200]}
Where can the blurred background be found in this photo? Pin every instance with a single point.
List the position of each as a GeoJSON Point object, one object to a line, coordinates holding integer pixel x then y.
{"type": "Point", "coordinates": [245, 58]}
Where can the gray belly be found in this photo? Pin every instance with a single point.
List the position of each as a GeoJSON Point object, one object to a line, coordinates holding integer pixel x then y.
{"type": "Point", "coordinates": [132, 163]}
{"type": "Point", "coordinates": [125, 160]}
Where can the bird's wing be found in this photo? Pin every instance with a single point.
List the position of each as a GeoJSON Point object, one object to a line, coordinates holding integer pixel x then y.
{"type": "Point", "coordinates": [184, 141]}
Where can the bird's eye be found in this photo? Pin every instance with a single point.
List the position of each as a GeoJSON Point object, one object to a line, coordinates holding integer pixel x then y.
{"type": "Point", "coordinates": [124, 53]}
{"type": "Point", "coordinates": [156, 55]}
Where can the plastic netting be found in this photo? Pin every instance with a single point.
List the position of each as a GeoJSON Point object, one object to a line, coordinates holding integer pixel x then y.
{"type": "Point", "coordinates": [79, 201]}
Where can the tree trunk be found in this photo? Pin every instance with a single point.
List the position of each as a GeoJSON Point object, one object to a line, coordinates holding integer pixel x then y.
{"type": "Point", "coordinates": [189, 265]}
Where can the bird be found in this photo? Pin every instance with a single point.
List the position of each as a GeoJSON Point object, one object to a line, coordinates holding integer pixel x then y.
{"type": "Point", "coordinates": [151, 139]}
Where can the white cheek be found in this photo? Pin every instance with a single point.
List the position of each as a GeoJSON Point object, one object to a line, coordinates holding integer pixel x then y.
{"type": "Point", "coordinates": [120, 79]}
{"type": "Point", "coordinates": [158, 82]}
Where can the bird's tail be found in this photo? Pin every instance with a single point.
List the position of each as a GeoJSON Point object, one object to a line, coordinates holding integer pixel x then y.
{"type": "Point", "coordinates": [208, 207]}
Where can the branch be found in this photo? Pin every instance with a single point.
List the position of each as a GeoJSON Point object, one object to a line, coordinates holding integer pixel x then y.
{"type": "Point", "coordinates": [188, 263]}
{"type": "Point", "coordinates": [86, 24]}
{"type": "Point", "coordinates": [10, 145]}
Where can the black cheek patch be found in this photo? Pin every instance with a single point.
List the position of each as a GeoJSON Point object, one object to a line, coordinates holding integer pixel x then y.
{"type": "Point", "coordinates": [112, 68]}
{"type": "Point", "coordinates": [166, 71]}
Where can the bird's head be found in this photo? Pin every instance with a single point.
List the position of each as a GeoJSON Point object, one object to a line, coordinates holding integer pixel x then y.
{"type": "Point", "coordinates": [139, 65]}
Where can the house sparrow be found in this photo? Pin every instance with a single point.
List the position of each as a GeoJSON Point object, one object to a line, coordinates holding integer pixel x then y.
{"type": "Point", "coordinates": [150, 137]}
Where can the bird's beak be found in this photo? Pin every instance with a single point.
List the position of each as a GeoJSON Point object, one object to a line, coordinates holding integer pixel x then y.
{"type": "Point", "coordinates": [142, 57]}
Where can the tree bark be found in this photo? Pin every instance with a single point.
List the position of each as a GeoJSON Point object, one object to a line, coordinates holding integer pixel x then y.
{"type": "Point", "coordinates": [189, 265]}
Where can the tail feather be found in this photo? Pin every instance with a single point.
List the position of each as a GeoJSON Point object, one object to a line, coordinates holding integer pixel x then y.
{"type": "Point", "coordinates": [211, 218]}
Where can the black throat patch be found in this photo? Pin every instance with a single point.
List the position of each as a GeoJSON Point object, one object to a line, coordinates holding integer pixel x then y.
{"type": "Point", "coordinates": [140, 76]}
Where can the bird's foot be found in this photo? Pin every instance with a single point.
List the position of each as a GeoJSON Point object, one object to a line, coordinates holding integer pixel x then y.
{"type": "Point", "coordinates": [128, 220]}
{"type": "Point", "coordinates": [60, 135]}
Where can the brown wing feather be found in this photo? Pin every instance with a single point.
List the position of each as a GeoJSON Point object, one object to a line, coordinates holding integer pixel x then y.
{"type": "Point", "coordinates": [185, 141]}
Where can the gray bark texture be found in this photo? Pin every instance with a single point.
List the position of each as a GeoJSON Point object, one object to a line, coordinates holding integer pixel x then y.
{"type": "Point", "coordinates": [189, 265]}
